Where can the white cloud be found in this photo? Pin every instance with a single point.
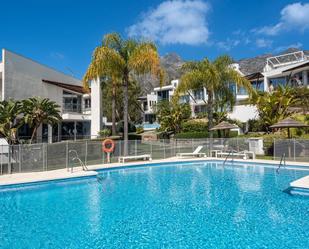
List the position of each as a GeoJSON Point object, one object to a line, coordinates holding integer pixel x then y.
{"type": "Point", "coordinates": [174, 22]}
{"type": "Point", "coordinates": [263, 43]}
{"type": "Point", "coordinates": [228, 44]}
{"type": "Point", "coordinates": [293, 17]}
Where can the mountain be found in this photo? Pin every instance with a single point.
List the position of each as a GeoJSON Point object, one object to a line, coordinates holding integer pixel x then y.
{"type": "Point", "coordinates": [257, 64]}
{"type": "Point", "coordinates": [171, 64]}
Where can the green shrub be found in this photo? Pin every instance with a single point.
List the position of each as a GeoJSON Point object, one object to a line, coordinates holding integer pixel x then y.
{"type": "Point", "coordinates": [139, 130]}
{"type": "Point", "coordinates": [104, 133]}
{"type": "Point", "coordinates": [193, 134]}
{"type": "Point", "coordinates": [256, 125]}
{"type": "Point", "coordinates": [194, 126]}
{"type": "Point", "coordinates": [201, 134]}
{"type": "Point", "coordinates": [134, 136]}
{"type": "Point", "coordinates": [131, 127]}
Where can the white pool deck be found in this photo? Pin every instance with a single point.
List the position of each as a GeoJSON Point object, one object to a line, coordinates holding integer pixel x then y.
{"type": "Point", "coordinates": [59, 174]}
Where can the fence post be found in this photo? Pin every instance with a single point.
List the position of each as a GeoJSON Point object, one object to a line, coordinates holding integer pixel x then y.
{"type": "Point", "coordinates": [1, 160]}
{"type": "Point", "coordinates": [135, 147]}
{"type": "Point", "coordinates": [67, 155]}
{"type": "Point", "coordinates": [294, 149]}
{"type": "Point", "coordinates": [192, 145]}
{"type": "Point", "coordinates": [120, 150]}
{"type": "Point", "coordinates": [151, 149]}
{"type": "Point", "coordinates": [46, 156]}
{"type": "Point", "coordinates": [164, 153]}
{"type": "Point", "coordinates": [274, 153]}
{"type": "Point", "coordinates": [86, 152]}
{"type": "Point", "coordinates": [19, 157]}
{"type": "Point", "coordinates": [43, 156]}
{"type": "Point", "coordinates": [10, 157]}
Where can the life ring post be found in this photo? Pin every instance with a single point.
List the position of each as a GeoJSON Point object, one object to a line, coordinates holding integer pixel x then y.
{"type": "Point", "coordinates": [108, 146]}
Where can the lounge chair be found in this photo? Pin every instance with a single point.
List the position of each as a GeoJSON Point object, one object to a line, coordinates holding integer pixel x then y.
{"type": "Point", "coordinates": [195, 153]}
{"type": "Point", "coordinates": [122, 159]}
{"type": "Point", "coordinates": [243, 154]}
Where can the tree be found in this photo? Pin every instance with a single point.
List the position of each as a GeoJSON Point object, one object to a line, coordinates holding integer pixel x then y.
{"type": "Point", "coordinates": [134, 108]}
{"type": "Point", "coordinates": [274, 106]}
{"type": "Point", "coordinates": [10, 119]}
{"type": "Point", "coordinates": [171, 115]}
{"type": "Point", "coordinates": [123, 59]}
{"type": "Point", "coordinates": [111, 85]}
{"type": "Point", "coordinates": [302, 95]}
{"type": "Point", "coordinates": [39, 111]}
{"type": "Point", "coordinates": [215, 77]}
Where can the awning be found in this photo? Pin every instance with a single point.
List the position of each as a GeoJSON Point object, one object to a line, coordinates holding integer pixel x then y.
{"type": "Point", "coordinates": [74, 88]}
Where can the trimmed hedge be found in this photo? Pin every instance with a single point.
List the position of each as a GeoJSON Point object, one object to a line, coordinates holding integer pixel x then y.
{"type": "Point", "coordinates": [201, 134]}
{"type": "Point", "coordinates": [194, 126]}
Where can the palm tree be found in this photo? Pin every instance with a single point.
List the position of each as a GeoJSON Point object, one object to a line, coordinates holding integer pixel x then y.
{"type": "Point", "coordinates": [275, 106]}
{"type": "Point", "coordinates": [121, 60]}
{"type": "Point", "coordinates": [114, 84]}
{"type": "Point", "coordinates": [215, 77]}
{"type": "Point", "coordinates": [10, 119]}
{"type": "Point", "coordinates": [39, 111]}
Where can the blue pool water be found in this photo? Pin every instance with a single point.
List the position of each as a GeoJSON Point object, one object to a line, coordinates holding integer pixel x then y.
{"type": "Point", "coordinates": [192, 205]}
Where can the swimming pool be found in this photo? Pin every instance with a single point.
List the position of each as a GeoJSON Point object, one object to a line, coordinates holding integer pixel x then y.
{"type": "Point", "coordinates": [180, 205]}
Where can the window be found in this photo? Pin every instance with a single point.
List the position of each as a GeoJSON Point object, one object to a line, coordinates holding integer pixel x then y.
{"type": "Point", "coordinates": [198, 94]}
{"type": "Point", "coordinates": [71, 102]}
{"type": "Point", "coordinates": [87, 103]}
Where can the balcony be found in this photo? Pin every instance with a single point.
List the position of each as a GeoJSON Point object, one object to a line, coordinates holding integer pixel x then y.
{"type": "Point", "coordinates": [72, 107]}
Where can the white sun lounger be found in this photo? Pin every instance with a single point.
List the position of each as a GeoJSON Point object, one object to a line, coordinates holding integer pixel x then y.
{"type": "Point", "coordinates": [122, 159]}
{"type": "Point", "coordinates": [195, 153]}
{"type": "Point", "coordinates": [243, 154]}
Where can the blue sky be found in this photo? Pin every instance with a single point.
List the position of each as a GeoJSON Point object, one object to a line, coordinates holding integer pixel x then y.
{"type": "Point", "coordinates": [63, 34]}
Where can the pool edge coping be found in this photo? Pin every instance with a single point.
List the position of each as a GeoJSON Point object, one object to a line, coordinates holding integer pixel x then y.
{"type": "Point", "coordinates": [63, 174]}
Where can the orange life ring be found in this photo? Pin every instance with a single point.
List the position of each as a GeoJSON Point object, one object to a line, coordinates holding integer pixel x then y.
{"type": "Point", "coordinates": [108, 145]}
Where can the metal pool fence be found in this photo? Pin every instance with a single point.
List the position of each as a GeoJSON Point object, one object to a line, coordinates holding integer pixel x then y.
{"type": "Point", "coordinates": [292, 149]}
{"type": "Point", "coordinates": [44, 157]}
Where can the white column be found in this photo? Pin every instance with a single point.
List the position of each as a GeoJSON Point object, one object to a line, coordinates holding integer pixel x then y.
{"type": "Point", "coordinates": [50, 134]}
{"type": "Point", "coordinates": [305, 77]}
{"type": "Point", "coordinates": [266, 82]}
{"type": "Point", "coordinates": [96, 107]}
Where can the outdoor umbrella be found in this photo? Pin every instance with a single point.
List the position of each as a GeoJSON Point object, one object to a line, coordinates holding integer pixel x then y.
{"type": "Point", "coordinates": [224, 126]}
{"type": "Point", "coordinates": [288, 123]}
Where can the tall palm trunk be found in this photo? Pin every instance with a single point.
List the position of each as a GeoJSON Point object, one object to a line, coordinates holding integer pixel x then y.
{"type": "Point", "coordinates": [125, 112]}
{"type": "Point", "coordinates": [210, 112]}
{"type": "Point", "coordinates": [114, 109]}
{"type": "Point", "coordinates": [34, 132]}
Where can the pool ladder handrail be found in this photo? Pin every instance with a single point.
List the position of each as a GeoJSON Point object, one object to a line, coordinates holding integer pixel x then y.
{"type": "Point", "coordinates": [76, 158]}
{"type": "Point", "coordinates": [230, 152]}
{"type": "Point", "coordinates": [282, 162]}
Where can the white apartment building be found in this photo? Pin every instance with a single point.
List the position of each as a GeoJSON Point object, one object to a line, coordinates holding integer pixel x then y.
{"type": "Point", "coordinates": [22, 78]}
{"type": "Point", "coordinates": [292, 68]}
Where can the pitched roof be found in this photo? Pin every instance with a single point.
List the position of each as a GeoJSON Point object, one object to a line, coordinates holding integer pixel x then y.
{"type": "Point", "coordinates": [288, 123]}
{"type": "Point", "coordinates": [70, 87]}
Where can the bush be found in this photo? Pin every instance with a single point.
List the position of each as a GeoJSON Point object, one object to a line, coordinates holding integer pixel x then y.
{"type": "Point", "coordinates": [104, 133]}
{"type": "Point", "coordinates": [131, 127]}
{"type": "Point", "coordinates": [139, 130]}
{"type": "Point", "coordinates": [194, 126]}
{"type": "Point", "coordinates": [201, 134]}
{"type": "Point", "coordinates": [193, 134]}
{"type": "Point", "coordinates": [255, 125]}
{"type": "Point", "coordinates": [134, 136]}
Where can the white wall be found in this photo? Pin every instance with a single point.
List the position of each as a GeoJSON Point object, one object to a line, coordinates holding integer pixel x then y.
{"type": "Point", "coordinates": [23, 79]}
{"type": "Point", "coordinates": [96, 107]}
{"type": "Point", "coordinates": [243, 113]}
